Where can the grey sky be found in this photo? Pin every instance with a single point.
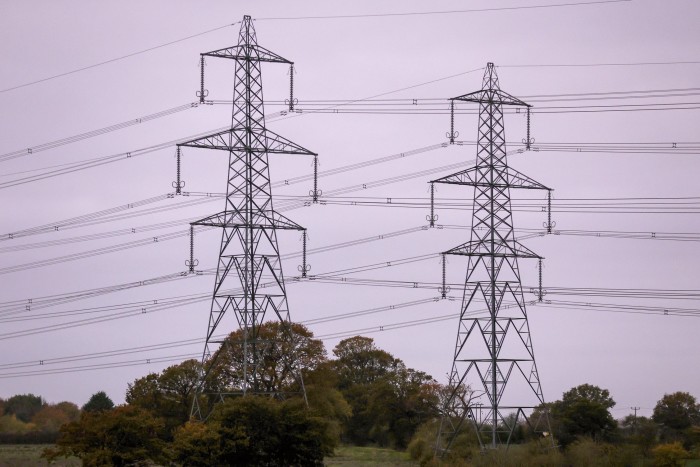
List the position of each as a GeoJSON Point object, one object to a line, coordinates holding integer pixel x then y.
{"type": "Point", "coordinates": [637, 357]}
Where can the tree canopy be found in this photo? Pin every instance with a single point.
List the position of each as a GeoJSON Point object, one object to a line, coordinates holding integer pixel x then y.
{"type": "Point", "coordinates": [284, 350]}
{"type": "Point", "coordinates": [23, 406]}
{"type": "Point", "coordinates": [255, 431]}
{"type": "Point", "coordinates": [583, 411]}
{"type": "Point", "coordinates": [123, 436]}
{"type": "Point", "coordinates": [98, 402]}
{"type": "Point", "coordinates": [168, 394]}
{"type": "Point", "coordinates": [679, 411]}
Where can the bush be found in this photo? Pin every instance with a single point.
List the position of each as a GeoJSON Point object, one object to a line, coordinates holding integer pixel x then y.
{"type": "Point", "coordinates": [669, 455]}
{"type": "Point", "coordinates": [122, 436]}
{"type": "Point", "coordinates": [256, 431]}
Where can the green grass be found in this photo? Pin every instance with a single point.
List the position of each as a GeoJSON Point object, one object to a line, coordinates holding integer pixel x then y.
{"type": "Point", "coordinates": [352, 456]}
{"type": "Point", "coordinates": [29, 455]}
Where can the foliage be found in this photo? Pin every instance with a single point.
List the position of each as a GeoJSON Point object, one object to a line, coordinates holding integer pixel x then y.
{"type": "Point", "coordinates": [359, 362]}
{"type": "Point", "coordinates": [678, 411]}
{"type": "Point", "coordinates": [283, 350]}
{"type": "Point", "coordinates": [325, 400]}
{"type": "Point", "coordinates": [401, 401]}
{"type": "Point", "coordinates": [23, 406]}
{"type": "Point", "coordinates": [70, 409]}
{"type": "Point", "coordinates": [639, 431]}
{"type": "Point", "coordinates": [255, 431]}
{"type": "Point", "coordinates": [388, 400]}
{"type": "Point", "coordinates": [583, 411]}
{"type": "Point", "coordinates": [196, 444]}
{"type": "Point", "coordinates": [43, 427]}
{"type": "Point", "coordinates": [670, 455]}
{"type": "Point", "coordinates": [50, 419]}
{"type": "Point", "coordinates": [168, 394]}
{"type": "Point", "coordinates": [122, 436]}
{"type": "Point", "coordinates": [98, 402]}
{"type": "Point", "coordinates": [589, 453]}
{"type": "Point", "coordinates": [10, 424]}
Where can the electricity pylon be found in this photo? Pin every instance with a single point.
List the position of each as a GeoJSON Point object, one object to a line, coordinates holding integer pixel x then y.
{"type": "Point", "coordinates": [494, 381]}
{"type": "Point", "coordinates": [249, 281]}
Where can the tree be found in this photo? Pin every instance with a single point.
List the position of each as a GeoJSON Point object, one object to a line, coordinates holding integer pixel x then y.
{"type": "Point", "coordinates": [98, 402]}
{"type": "Point", "coordinates": [583, 411]}
{"type": "Point", "coordinates": [70, 409]}
{"type": "Point", "coordinates": [168, 394]}
{"type": "Point", "coordinates": [389, 401]}
{"type": "Point", "coordinates": [401, 401]}
{"type": "Point", "coordinates": [255, 431]}
{"type": "Point", "coordinates": [122, 436]}
{"type": "Point", "coordinates": [359, 361]}
{"type": "Point", "coordinates": [678, 411]}
{"type": "Point", "coordinates": [52, 416]}
{"type": "Point", "coordinates": [283, 350]}
{"type": "Point", "coordinates": [641, 431]}
{"type": "Point", "coordinates": [23, 406]}
{"type": "Point", "coordinates": [325, 400]}
{"type": "Point", "coordinates": [50, 419]}
{"type": "Point", "coordinates": [196, 444]}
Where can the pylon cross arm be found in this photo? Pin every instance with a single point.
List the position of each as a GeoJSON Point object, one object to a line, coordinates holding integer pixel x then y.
{"type": "Point", "coordinates": [267, 219]}
{"type": "Point", "coordinates": [275, 143]}
{"type": "Point", "coordinates": [234, 139]}
{"type": "Point", "coordinates": [491, 96]}
{"type": "Point", "coordinates": [500, 248]}
{"type": "Point", "coordinates": [251, 52]}
{"type": "Point", "coordinates": [510, 178]}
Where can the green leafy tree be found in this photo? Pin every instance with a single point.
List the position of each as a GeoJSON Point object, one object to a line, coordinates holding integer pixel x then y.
{"type": "Point", "coordinates": [359, 362]}
{"type": "Point", "coordinates": [196, 444]}
{"type": "Point", "coordinates": [24, 406]}
{"type": "Point", "coordinates": [388, 400]}
{"type": "Point", "coordinates": [119, 437]}
{"type": "Point", "coordinates": [255, 431]}
{"type": "Point", "coordinates": [98, 402]}
{"type": "Point", "coordinates": [283, 350]}
{"type": "Point", "coordinates": [583, 411]}
{"type": "Point", "coordinates": [678, 411]}
{"type": "Point", "coordinates": [325, 400]}
{"type": "Point", "coordinates": [678, 416]}
{"type": "Point", "coordinates": [401, 401]}
{"type": "Point", "coordinates": [168, 394]}
{"type": "Point", "coordinates": [640, 431]}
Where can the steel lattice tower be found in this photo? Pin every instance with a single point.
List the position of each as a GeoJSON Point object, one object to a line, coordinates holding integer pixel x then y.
{"type": "Point", "coordinates": [249, 281]}
{"type": "Point", "coordinates": [493, 354]}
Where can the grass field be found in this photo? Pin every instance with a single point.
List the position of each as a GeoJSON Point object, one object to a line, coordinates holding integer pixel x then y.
{"type": "Point", "coordinates": [351, 456]}
{"type": "Point", "coordinates": [29, 455]}
{"type": "Point", "coordinates": [23, 455]}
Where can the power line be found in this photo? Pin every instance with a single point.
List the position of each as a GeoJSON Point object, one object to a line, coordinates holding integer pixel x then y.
{"type": "Point", "coordinates": [443, 12]}
{"type": "Point", "coordinates": [98, 132]}
{"type": "Point", "coordinates": [602, 64]}
{"type": "Point", "coordinates": [95, 65]}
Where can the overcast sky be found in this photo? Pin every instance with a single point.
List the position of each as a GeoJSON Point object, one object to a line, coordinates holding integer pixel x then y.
{"type": "Point", "coordinates": [610, 48]}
